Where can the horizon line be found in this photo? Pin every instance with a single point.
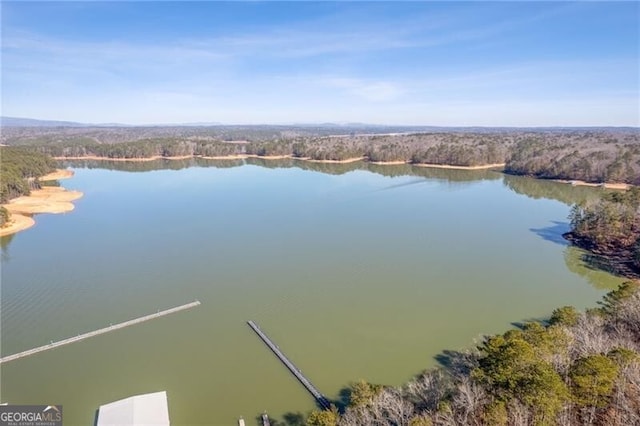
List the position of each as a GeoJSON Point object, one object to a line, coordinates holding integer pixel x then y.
{"type": "Point", "coordinates": [305, 124]}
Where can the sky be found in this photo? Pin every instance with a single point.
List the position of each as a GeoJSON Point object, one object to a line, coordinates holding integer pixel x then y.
{"type": "Point", "coordinates": [401, 63]}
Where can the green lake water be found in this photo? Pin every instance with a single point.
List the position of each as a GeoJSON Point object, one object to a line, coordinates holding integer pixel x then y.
{"type": "Point", "coordinates": [356, 271]}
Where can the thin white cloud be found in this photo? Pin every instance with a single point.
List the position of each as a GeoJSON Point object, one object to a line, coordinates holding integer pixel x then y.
{"type": "Point", "coordinates": [307, 39]}
{"type": "Point", "coordinates": [366, 89]}
{"type": "Point", "coordinates": [28, 43]}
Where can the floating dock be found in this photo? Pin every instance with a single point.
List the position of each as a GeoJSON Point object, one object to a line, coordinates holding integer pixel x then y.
{"type": "Point", "coordinates": [80, 337]}
{"type": "Point", "coordinates": [320, 398]}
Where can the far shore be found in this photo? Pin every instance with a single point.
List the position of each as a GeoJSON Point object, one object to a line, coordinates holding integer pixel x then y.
{"type": "Point", "coordinates": [282, 157]}
{"type": "Point", "coordinates": [496, 166]}
{"type": "Point", "coordinates": [49, 199]}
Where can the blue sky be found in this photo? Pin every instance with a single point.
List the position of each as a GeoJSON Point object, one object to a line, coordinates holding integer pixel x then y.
{"type": "Point", "coordinates": [424, 63]}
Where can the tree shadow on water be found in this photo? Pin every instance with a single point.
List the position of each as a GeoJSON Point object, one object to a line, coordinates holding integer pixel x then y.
{"type": "Point", "coordinates": [620, 266]}
{"type": "Point", "coordinates": [553, 233]}
{"type": "Point", "coordinates": [521, 325]}
{"type": "Point", "coordinates": [590, 265]}
{"type": "Point", "coordinates": [343, 400]}
{"type": "Point", "coordinates": [597, 262]}
{"type": "Point", "coordinates": [457, 363]}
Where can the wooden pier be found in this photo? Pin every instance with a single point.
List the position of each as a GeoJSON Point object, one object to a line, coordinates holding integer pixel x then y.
{"type": "Point", "coordinates": [320, 398]}
{"type": "Point", "coordinates": [80, 337]}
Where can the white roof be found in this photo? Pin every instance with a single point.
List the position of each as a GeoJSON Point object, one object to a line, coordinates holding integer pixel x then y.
{"type": "Point", "coordinates": [139, 410]}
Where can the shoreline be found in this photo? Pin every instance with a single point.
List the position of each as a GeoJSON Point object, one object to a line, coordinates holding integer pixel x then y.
{"type": "Point", "coordinates": [207, 157]}
{"type": "Point", "coordinates": [448, 166]}
{"type": "Point", "coordinates": [390, 163]}
{"type": "Point", "coordinates": [49, 199]}
{"type": "Point", "coordinates": [345, 161]}
{"type": "Point", "coordinates": [17, 222]}
{"type": "Point", "coordinates": [282, 157]}
{"type": "Point", "coordinates": [607, 185]}
{"type": "Point", "coordinates": [46, 200]}
{"type": "Point", "coordinates": [57, 175]}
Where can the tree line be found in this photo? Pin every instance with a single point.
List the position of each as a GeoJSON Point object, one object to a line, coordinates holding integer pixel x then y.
{"type": "Point", "coordinates": [609, 160]}
{"type": "Point", "coordinates": [145, 148]}
{"type": "Point", "coordinates": [589, 155]}
{"type": "Point", "coordinates": [434, 148]}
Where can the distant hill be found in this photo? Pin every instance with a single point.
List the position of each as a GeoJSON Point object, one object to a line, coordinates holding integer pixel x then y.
{"type": "Point", "coordinates": [30, 122]}
{"type": "Point", "coordinates": [324, 128]}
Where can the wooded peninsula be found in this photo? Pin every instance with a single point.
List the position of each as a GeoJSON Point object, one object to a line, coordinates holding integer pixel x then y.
{"type": "Point", "coordinates": [20, 174]}
{"type": "Point", "coordinates": [28, 185]}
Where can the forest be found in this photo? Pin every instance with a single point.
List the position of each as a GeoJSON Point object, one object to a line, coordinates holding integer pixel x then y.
{"type": "Point", "coordinates": [607, 161]}
{"type": "Point", "coordinates": [592, 155]}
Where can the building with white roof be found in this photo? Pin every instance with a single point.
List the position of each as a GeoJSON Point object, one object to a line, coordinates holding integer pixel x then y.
{"type": "Point", "coordinates": [150, 409]}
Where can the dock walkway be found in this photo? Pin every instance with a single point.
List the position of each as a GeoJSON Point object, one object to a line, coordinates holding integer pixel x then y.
{"type": "Point", "coordinates": [320, 398]}
{"type": "Point", "coordinates": [80, 337]}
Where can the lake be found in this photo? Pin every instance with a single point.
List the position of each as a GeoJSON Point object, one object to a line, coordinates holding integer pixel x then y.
{"type": "Point", "coordinates": [356, 271]}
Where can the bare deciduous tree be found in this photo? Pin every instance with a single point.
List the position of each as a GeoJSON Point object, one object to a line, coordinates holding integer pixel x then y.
{"type": "Point", "coordinates": [428, 389]}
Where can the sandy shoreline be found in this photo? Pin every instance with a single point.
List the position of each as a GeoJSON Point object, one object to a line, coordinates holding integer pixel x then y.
{"type": "Point", "coordinates": [621, 186]}
{"type": "Point", "coordinates": [46, 200]}
{"type": "Point", "coordinates": [390, 163]}
{"type": "Point", "coordinates": [446, 166]}
{"type": "Point", "coordinates": [345, 161]}
{"type": "Point", "coordinates": [50, 199]}
{"type": "Point", "coordinates": [57, 175]}
{"type": "Point", "coordinates": [17, 222]}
